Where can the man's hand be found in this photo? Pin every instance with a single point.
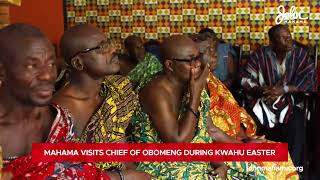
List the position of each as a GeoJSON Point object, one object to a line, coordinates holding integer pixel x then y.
{"type": "Point", "coordinates": [220, 171]}
{"type": "Point", "coordinates": [271, 93]}
{"type": "Point", "coordinates": [197, 84]}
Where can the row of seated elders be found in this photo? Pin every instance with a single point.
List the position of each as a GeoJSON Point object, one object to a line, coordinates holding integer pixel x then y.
{"type": "Point", "coordinates": [178, 104]}
{"type": "Point", "coordinates": [297, 74]}
{"type": "Point", "coordinates": [167, 112]}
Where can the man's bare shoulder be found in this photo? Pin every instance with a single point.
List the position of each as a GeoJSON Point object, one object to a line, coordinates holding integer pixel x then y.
{"type": "Point", "coordinates": [66, 100]}
{"type": "Point", "coordinates": [62, 99]}
{"type": "Point", "coordinates": [155, 92]}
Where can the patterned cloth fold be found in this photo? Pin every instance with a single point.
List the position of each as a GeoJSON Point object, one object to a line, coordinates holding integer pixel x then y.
{"type": "Point", "coordinates": [109, 123]}
{"type": "Point", "coordinates": [61, 131]}
{"type": "Point", "coordinates": [228, 116]}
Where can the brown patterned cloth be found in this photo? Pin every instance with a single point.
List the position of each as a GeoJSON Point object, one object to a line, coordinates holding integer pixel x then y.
{"type": "Point", "coordinates": [109, 123]}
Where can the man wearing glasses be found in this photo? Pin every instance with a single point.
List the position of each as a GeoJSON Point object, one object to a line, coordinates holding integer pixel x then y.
{"type": "Point", "coordinates": [100, 103]}
{"type": "Point", "coordinates": [174, 109]}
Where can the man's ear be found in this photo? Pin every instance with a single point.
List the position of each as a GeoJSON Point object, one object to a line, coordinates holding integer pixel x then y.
{"type": "Point", "coordinates": [168, 64]}
{"type": "Point", "coordinates": [77, 63]}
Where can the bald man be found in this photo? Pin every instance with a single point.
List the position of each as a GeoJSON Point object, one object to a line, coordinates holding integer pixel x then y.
{"type": "Point", "coordinates": [174, 108]}
{"type": "Point", "coordinates": [134, 52]}
{"type": "Point", "coordinates": [90, 58]}
{"type": "Point", "coordinates": [100, 103]}
{"type": "Point", "coordinates": [27, 76]}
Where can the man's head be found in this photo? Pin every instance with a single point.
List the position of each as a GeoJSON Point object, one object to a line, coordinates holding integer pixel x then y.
{"type": "Point", "coordinates": [207, 33]}
{"type": "Point", "coordinates": [208, 50]}
{"type": "Point", "coordinates": [195, 37]}
{"type": "Point", "coordinates": [280, 38]}
{"type": "Point", "coordinates": [134, 46]}
{"type": "Point", "coordinates": [180, 54]}
{"type": "Point", "coordinates": [27, 65]}
{"type": "Point", "coordinates": [85, 48]}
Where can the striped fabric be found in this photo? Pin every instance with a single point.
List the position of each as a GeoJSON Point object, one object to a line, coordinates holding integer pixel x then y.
{"type": "Point", "coordinates": [263, 70]}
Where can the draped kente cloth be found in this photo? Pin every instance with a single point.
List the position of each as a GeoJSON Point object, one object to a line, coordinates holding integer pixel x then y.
{"type": "Point", "coordinates": [108, 124]}
{"type": "Point", "coordinates": [144, 71]}
{"type": "Point", "coordinates": [144, 132]}
{"type": "Point", "coordinates": [263, 70]}
{"type": "Point", "coordinates": [228, 116]}
{"type": "Point", "coordinates": [61, 131]}
{"type": "Point", "coordinates": [226, 113]}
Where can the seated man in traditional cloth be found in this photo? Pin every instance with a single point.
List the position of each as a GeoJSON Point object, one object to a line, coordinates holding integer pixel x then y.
{"type": "Point", "coordinates": [238, 124]}
{"type": "Point", "coordinates": [134, 46]}
{"type": "Point", "coordinates": [135, 52]}
{"type": "Point", "coordinates": [27, 76]}
{"type": "Point", "coordinates": [100, 104]}
{"type": "Point", "coordinates": [225, 68]}
{"type": "Point", "coordinates": [273, 74]}
{"type": "Point", "coordinates": [174, 108]}
{"type": "Point", "coordinates": [230, 121]}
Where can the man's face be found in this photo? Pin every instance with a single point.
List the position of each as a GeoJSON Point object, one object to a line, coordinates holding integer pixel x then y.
{"type": "Point", "coordinates": [188, 59]}
{"type": "Point", "coordinates": [31, 74]}
{"type": "Point", "coordinates": [283, 40]}
{"type": "Point", "coordinates": [136, 49]}
{"type": "Point", "coordinates": [209, 53]}
{"type": "Point", "coordinates": [102, 60]}
{"type": "Point", "coordinates": [212, 55]}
